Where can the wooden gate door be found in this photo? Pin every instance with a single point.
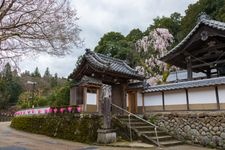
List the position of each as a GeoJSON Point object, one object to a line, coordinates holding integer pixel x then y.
{"type": "Point", "coordinates": [132, 102]}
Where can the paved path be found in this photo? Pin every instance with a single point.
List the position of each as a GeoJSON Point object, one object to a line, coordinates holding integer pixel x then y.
{"type": "Point", "coordinates": [11, 139]}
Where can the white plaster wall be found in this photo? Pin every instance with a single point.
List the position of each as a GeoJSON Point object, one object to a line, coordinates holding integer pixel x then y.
{"type": "Point", "coordinates": [153, 99]}
{"type": "Point", "coordinates": [176, 97]}
{"type": "Point", "coordinates": [221, 93]}
{"type": "Point", "coordinates": [139, 99]}
{"type": "Point", "coordinates": [202, 95]}
{"type": "Point", "coordinates": [91, 98]}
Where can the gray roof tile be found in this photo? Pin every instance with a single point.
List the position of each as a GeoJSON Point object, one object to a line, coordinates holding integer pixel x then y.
{"type": "Point", "coordinates": [109, 64]}
{"type": "Point", "coordinates": [186, 84]}
{"type": "Point", "coordinates": [136, 85]}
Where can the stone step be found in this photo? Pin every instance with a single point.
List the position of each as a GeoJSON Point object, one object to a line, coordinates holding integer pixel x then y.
{"type": "Point", "coordinates": [138, 123]}
{"type": "Point", "coordinates": [124, 117]}
{"type": "Point", "coordinates": [149, 140]}
{"type": "Point", "coordinates": [152, 133]}
{"type": "Point", "coordinates": [164, 138]}
{"type": "Point", "coordinates": [147, 133]}
{"type": "Point", "coordinates": [132, 120]}
{"type": "Point", "coordinates": [144, 128]}
{"type": "Point", "coordinates": [171, 143]}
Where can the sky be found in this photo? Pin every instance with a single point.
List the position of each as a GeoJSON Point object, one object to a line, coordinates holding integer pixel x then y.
{"type": "Point", "coordinates": [97, 17]}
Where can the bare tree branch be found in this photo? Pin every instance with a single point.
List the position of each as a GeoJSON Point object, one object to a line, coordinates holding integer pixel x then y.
{"type": "Point", "coordinates": [3, 13]}
{"type": "Point", "coordinates": [37, 26]}
{"type": "Point", "coordinates": [2, 4]}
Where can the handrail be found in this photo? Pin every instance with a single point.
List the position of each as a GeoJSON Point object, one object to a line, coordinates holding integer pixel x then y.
{"type": "Point", "coordinates": [129, 114]}
{"type": "Point", "coordinates": [134, 115]}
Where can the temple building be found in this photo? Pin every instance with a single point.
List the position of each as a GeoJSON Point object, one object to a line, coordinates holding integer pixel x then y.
{"type": "Point", "coordinates": [200, 86]}
{"type": "Point", "coordinates": [96, 71]}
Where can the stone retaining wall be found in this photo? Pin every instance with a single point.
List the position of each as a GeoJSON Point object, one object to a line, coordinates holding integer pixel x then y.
{"type": "Point", "coordinates": [75, 127]}
{"type": "Point", "coordinates": [205, 128]}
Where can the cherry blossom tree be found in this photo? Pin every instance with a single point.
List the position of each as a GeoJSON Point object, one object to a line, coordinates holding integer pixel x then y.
{"type": "Point", "coordinates": [156, 43]}
{"type": "Point", "coordinates": [36, 26]}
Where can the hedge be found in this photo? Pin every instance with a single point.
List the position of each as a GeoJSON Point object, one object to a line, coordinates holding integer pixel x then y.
{"type": "Point", "coordinates": [67, 126]}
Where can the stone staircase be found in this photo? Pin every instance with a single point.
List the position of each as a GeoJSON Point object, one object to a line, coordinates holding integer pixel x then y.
{"type": "Point", "coordinates": [146, 132]}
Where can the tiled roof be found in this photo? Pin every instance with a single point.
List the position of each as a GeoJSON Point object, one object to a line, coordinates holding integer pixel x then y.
{"type": "Point", "coordinates": [203, 20]}
{"type": "Point", "coordinates": [106, 63]}
{"type": "Point", "coordinates": [187, 84]}
{"type": "Point", "coordinates": [136, 85]}
{"type": "Point", "coordinates": [89, 80]}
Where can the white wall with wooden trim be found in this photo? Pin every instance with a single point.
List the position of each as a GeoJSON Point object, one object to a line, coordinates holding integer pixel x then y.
{"type": "Point", "coordinates": [153, 99]}
{"type": "Point", "coordinates": [203, 98]}
{"type": "Point", "coordinates": [203, 95]}
{"type": "Point", "coordinates": [176, 97]}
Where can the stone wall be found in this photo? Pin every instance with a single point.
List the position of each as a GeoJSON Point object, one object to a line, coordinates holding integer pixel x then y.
{"type": "Point", "coordinates": [205, 128]}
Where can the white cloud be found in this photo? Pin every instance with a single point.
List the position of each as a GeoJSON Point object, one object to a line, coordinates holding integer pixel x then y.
{"type": "Point", "coordinates": [97, 17]}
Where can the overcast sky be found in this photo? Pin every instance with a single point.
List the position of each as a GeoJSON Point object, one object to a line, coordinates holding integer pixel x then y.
{"type": "Point", "coordinates": [97, 17]}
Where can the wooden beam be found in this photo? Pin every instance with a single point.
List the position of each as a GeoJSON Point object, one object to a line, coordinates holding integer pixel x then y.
{"type": "Point", "coordinates": [205, 58]}
{"type": "Point", "coordinates": [187, 99]}
{"type": "Point", "coordinates": [123, 95]}
{"type": "Point", "coordinates": [208, 64]}
{"type": "Point", "coordinates": [217, 98]}
{"type": "Point", "coordinates": [203, 50]}
{"type": "Point", "coordinates": [208, 73]}
{"type": "Point", "coordinates": [85, 98]}
{"type": "Point", "coordinates": [143, 103]}
{"type": "Point", "coordinates": [98, 100]}
{"type": "Point", "coordinates": [163, 101]}
{"type": "Point", "coordinates": [189, 68]}
{"type": "Point", "coordinates": [135, 103]}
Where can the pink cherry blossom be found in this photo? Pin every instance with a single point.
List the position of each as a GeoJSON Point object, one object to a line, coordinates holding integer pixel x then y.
{"type": "Point", "coordinates": [159, 40]}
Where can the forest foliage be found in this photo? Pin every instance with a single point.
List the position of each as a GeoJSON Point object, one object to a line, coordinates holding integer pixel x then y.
{"type": "Point", "coordinates": [31, 89]}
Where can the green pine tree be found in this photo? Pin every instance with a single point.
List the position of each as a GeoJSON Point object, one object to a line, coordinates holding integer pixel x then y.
{"type": "Point", "coordinates": [47, 73]}
{"type": "Point", "coordinates": [36, 72]}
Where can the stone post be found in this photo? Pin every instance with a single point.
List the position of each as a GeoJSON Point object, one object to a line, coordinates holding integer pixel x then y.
{"type": "Point", "coordinates": [106, 111]}
{"type": "Point", "coordinates": [106, 134]}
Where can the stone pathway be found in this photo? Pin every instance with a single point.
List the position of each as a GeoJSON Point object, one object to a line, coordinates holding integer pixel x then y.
{"type": "Point", "coordinates": [11, 139]}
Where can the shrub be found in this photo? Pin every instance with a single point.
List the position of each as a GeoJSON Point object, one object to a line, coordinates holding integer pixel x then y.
{"type": "Point", "coordinates": [66, 126]}
{"type": "Point", "coordinates": [152, 119]}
